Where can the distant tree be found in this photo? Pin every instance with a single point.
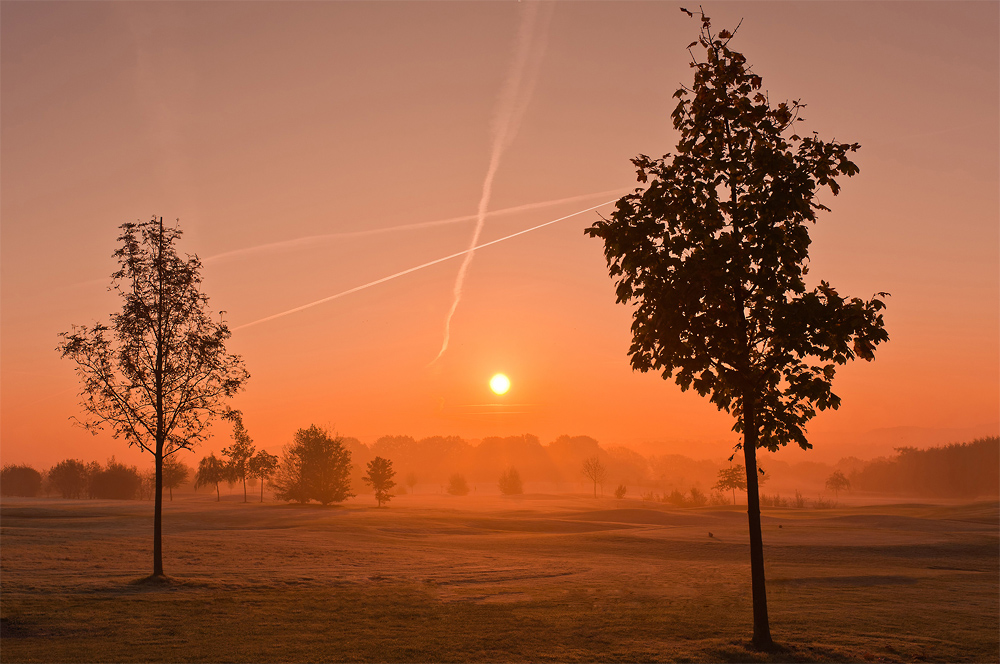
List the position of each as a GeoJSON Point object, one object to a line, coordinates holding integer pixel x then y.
{"type": "Point", "coordinates": [510, 482]}
{"type": "Point", "coordinates": [379, 477]}
{"type": "Point", "coordinates": [732, 478]}
{"type": "Point", "coordinates": [262, 466]}
{"type": "Point", "coordinates": [457, 486]}
{"type": "Point", "coordinates": [315, 466]}
{"type": "Point", "coordinates": [69, 478]}
{"type": "Point", "coordinates": [837, 482]}
{"type": "Point", "coordinates": [147, 485]}
{"type": "Point", "coordinates": [595, 471]}
{"type": "Point", "coordinates": [116, 481]}
{"type": "Point", "coordinates": [241, 451]}
{"type": "Point", "coordinates": [712, 256]}
{"type": "Point", "coordinates": [20, 480]}
{"type": "Point", "coordinates": [621, 491]}
{"type": "Point", "coordinates": [411, 480]}
{"type": "Point", "coordinates": [211, 472]}
{"type": "Point", "coordinates": [160, 372]}
{"type": "Point", "coordinates": [175, 473]}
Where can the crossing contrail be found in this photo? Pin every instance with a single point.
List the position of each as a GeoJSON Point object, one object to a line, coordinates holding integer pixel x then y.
{"type": "Point", "coordinates": [513, 102]}
{"type": "Point", "coordinates": [415, 268]}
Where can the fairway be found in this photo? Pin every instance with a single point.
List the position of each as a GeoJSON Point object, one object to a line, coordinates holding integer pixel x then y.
{"type": "Point", "coordinates": [485, 578]}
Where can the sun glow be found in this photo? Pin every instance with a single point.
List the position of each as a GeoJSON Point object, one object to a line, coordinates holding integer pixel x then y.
{"type": "Point", "coordinates": [500, 383]}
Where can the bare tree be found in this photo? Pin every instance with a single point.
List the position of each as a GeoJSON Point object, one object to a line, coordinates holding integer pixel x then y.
{"type": "Point", "coordinates": [159, 373]}
{"type": "Point", "coordinates": [595, 471]}
{"type": "Point", "coordinates": [262, 466]}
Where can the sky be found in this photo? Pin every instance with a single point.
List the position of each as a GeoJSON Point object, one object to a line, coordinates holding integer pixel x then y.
{"type": "Point", "coordinates": [309, 148]}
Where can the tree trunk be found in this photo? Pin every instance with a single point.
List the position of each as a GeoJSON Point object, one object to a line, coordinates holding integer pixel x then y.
{"type": "Point", "coordinates": [158, 512]}
{"type": "Point", "coordinates": [262, 489]}
{"type": "Point", "coordinates": [244, 488]}
{"type": "Point", "coordinates": [761, 628]}
{"type": "Point", "coordinates": [218, 496]}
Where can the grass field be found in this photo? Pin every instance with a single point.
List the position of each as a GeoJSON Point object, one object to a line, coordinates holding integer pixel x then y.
{"type": "Point", "coordinates": [533, 578]}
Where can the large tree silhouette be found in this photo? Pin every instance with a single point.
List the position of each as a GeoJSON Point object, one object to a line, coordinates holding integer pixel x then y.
{"type": "Point", "coordinates": [159, 373]}
{"type": "Point", "coordinates": [712, 253]}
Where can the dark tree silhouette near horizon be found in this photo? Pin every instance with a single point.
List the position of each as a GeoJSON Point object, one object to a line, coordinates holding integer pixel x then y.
{"type": "Point", "coordinates": [595, 471]}
{"type": "Point", "coordinates": [837, 482]}
{"type": "Point", "coordinates": [314, 466]}
{"type": "Point", "coordinates": [713, 254]}
{"type": "Point", "coordinates": [262, 465]}
{"type": "Point", "coordinates": [241, 451]}
{"type": "Point", "coordinates": [212, 471]}
{"type": "Point", "coordinates": [175, 473]}
{"type": "Point", "coordinates": [379, 478]}
{"type": "Point", "coordinates": [159, 373]}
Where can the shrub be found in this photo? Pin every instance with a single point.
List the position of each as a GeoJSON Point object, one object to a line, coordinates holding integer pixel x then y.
{"type": "Point", "coordinates": [70, 478]}
{"type": "Point", "coordinates": [510, 482]}
{"type": "Point", "coordinates": [800, 502]}
{"type": "Point", "coordinates": [116, 481]}
{"type": "Point", "coordinates": [621, 491]}
{"type": "Point", "coordinates": [698, 498]}
{"type": "Point", "coordinates": [20, 480]}
{"type": "Point", "coordinates": [457, 486]}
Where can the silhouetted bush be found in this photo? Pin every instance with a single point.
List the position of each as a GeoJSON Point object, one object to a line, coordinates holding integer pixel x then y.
{"type": "Point", "coordinates": [698, 498]}
{"type": "Point", "coordinates": [510, 482]}
{"type": "Point", "coordinates": [70, 478]}
{"type": "Point", "coordinates": [314, 467]}
{"type": "Point", "coordinates": [621, 491]}
{"type": "Point", "coordinates": [457, 486]}
{"type": "Point", "coordinates": [20, 480]}
{"type": "Point", "coordinates": [116, 481]}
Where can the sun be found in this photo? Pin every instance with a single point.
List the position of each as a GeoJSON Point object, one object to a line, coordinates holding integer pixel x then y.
{"type": "Point", "coordinates": [500, 383]}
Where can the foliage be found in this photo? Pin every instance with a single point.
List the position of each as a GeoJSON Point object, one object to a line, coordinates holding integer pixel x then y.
{"type": "Point", "coordinates": [837, 482]}
{"type": "Point", "coordinates": [211, 472]}
{"type": "Point", "coordinates": [262, 466]}
{"type": "Point", "coordinates": [960, 470]}
{"type": "Point", "coordinates": [175, 473]}
{"type": "Point", "coordinates": [241, 451]}
{"type": "Point", "coordinates": [595, 471]}
{"type": "Point", "coordinates": [70, 478]}
{"type": "Point", "coordinates": [379, 477]}
{"type": "Point", "coordinates": [116, 481]}
{"type": "Point", "coordinates": [621, 491]}
{"type": "Point", "coordinates": [20, 480]}
{"type": "Point", "coordinates": [159, 373]}
{"type": "Point", "coordinates": [713, 256]}
{"type": "Point", "coordinates": [457, 486]}
{"type": "Point", "coordinates": [315, 466]}
{"type": "Point", "coordinates": [510, 482]}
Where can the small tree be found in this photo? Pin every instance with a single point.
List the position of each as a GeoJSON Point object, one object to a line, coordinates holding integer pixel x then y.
{"type": "Point", "coordinates": [379, 477]}
{"type": "Point", "coordinates": [315, 466]}
{"type": "Point", "coordinates": [241, 451]}
{"type": "Point", "coordinates": [20, 480]}
{"type": "Point", "coordinates": [510, 482]}
{"type": "Point", "coordinates": [595, 471]}
{"type": "Point", "coordinates": [175, 473]}
{"type": "Point", "coordinates": [713, 255]}
{"type": "Point", "coordinates": [211, 472]}
{"type": "Point", "coordinates": [457, 486]}
{"type": "Point", "coordinates": [411, 480]}
{"type": "Point", "coordinates": [621, 491]}
{"type": "Point", "coordinates": [837, 482]}
{"type": "Point", "coordinates": [70, 478]}
{"type": "Point", "coordinates": [732, 478]}
{"type": "Point", "coordinates": [262, 465]}
{"type": "Point", "coordinates": [160, 372]}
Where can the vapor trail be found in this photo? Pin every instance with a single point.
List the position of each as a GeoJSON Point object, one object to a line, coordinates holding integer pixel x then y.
{"type": "Point", "coordinates": [415, 268]}
{"type": "Point", "coordinates": [513, 102]}
{"type": "Point", "coordinates": [310, 239]}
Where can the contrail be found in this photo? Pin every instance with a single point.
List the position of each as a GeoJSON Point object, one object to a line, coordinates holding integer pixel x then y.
{"type": "Point", "coordinates": [310, 239]}
{"type": "Point", "coordinates": [513, 102]}
{"type": "Point", "coordinates": [418, 267]}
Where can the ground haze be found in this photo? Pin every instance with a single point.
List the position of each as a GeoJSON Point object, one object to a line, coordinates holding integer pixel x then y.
{"type": "Point", "coordinates": [535, 577]}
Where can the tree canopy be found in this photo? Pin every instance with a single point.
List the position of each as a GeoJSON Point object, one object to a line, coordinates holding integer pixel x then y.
{"type": "Point", "coordinates": [314, 466]}
{"type": "Point", "coordinates": [712, 252]}
{"type": "Point", "coordinates": [379, 477]}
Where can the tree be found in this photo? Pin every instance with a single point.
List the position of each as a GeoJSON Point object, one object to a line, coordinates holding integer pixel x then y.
{"type": "Point", "coordinates": [837, 482]}
{"type": "Point", "coordinates": [411, 480]}
{"type": "Point", "coordinates": [595, 471]}
{"type": "Point", "coordinates": [159, 373]}
{"type": "Point", "coordinates": [241, 451]}
{"type": "Point", "coordinates": [457, 486]}
{"type": "Point", "coordinates": [211, 472]}
{"type": "Point", "coordinates": [713, 254]}
{"type": "Point", "coordinates": [379, 477]}
{"type": "Point", "coordinates": [70, 478]}
{"type": "Point", "coordinates": [20, 480]}
{"type": "Point", "coordinates": [116, 481]}
{"type": "Point", "coordinates": [175, 473]}
{"type": "Point", "coordinates": [315, 466]}
{"type": "Point", "coordinates": [621, 491]}
{"type": "Point", "coordinates": [733, 478]}
{"type": "Point", "coordinates": [262, 465]}
{"type": "Point", "coordinates": [510, 482]}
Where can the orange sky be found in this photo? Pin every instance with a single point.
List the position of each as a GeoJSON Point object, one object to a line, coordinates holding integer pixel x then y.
{"type": "Point", "coordinates": [262, 123]}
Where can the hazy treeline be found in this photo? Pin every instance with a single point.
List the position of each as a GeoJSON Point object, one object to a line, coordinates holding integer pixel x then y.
{"type": "Point", "coordinates": [73, 478]}
{"type": "Point", "coordinates": [961, 470]}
